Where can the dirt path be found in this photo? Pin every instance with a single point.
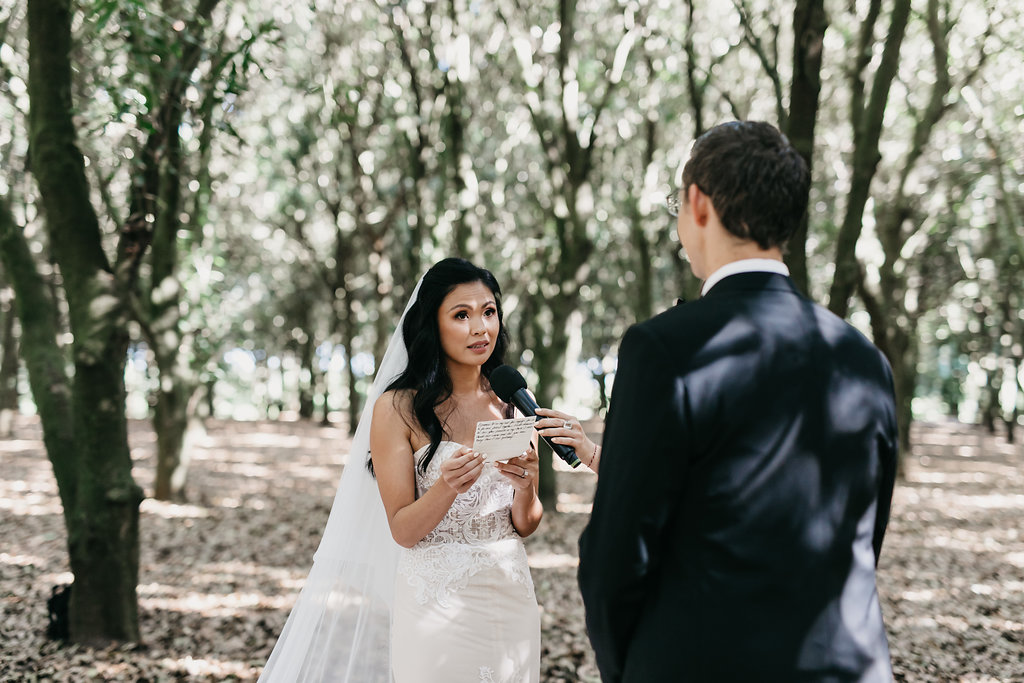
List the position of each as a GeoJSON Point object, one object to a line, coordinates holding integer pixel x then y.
{"type": "Point", "coordinates": [219, 575]}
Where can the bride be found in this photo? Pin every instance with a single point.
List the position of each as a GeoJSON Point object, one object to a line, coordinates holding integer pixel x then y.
{"type": "Point", "coordinates": [433, 565]}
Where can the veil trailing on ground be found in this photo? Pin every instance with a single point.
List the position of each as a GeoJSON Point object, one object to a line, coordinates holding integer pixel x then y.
{"type": "Point", "coordinates": [339, 629]}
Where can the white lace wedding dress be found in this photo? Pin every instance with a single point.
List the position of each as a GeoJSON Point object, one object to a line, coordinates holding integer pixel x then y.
{"type": "Point", "coordinates": [464, 606]}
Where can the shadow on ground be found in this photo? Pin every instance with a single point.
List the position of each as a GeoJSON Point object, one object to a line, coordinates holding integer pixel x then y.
{"type": "Point", "coordinates": [219, 574]}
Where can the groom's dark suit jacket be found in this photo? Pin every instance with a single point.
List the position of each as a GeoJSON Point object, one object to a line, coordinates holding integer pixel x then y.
{"type": "Point", "coordinates": [748, 464]}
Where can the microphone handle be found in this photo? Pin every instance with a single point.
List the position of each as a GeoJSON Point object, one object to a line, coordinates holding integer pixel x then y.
{"type": "Point", "coordinates": [522, 400]}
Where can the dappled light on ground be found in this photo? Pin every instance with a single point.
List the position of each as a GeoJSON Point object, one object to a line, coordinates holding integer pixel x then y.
{"type": "Point", "coordinates": [211, 604]}
{"type": "Point", "coordinates": [160, 508]}
{"type": "Point", "coordinates": [220, 572]}
{"type": "Point", "coordinates": [573, 503]}
{"type": "Point", "coordinates": [951, 588]}
{"type": "Point", "coordinates": [547, 560]}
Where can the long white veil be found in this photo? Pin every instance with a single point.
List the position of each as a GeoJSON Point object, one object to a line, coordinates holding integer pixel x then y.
{"type": "Point", "coordinates": [339, 629]}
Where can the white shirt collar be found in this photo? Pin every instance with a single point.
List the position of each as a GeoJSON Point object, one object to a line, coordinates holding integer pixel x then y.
{"type": "Point", "coordinates": [749, 265]}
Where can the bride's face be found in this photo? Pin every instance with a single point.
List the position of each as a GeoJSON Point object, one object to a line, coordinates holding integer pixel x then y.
{"type": "Point", "coordinates": [468, 322]}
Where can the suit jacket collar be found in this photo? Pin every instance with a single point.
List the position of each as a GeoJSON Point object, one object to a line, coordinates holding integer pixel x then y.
{"type": "Point", "coordinates": [745, 265]}
{"type": "Point", "coordinates": [752, 282]}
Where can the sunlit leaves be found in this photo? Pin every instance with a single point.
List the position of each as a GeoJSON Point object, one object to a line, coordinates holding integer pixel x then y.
{"type": "Point", "coordinates": [359, 140]}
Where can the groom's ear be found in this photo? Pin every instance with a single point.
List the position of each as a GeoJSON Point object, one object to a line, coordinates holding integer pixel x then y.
{"type": "Point", "coordinates": [699, 205]}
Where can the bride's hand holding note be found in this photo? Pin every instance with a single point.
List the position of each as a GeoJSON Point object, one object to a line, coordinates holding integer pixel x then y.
{"type": "Point", "coordinates": [462, 470]}
{"type": "Point", "coordinates": [523, 470]}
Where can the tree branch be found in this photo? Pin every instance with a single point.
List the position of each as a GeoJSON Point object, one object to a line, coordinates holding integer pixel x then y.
{"type": "Point", "coordinates": [768, 63]}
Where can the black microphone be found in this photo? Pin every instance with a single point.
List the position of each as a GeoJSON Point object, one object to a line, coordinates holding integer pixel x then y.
{"type": "Point", "coordinates": [510, 387]}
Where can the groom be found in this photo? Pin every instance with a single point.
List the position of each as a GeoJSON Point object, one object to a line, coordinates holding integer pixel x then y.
{"type": "Point", "coordinates": [749, 456]}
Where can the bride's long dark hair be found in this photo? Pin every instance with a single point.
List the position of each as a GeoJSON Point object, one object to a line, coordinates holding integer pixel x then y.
{"type": "Point", "coordinates": [427, 372]}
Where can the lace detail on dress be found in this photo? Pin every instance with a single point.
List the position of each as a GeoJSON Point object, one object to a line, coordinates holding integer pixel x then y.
{"type": "Point", "coordinates": [487, 676]}
{"type": "Point", "coordinates": [476, 533]}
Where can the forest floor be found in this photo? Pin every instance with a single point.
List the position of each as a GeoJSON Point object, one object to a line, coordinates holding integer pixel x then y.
{"type": "Point", "coordinates": [219, 575]}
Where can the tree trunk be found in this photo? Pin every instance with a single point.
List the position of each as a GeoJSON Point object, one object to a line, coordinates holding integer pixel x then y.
{"type": "Point", "coordinates": [904, 366]}
{"type": "Point", "coordinates": [103, 537]}
{"type": "Point", "coordinates": [101, 499]}
{"type": "Point", "coordinates": [8, 371]}
{"type": "Point", "coordinates": [549, 362]}
{"type": "Point", "coordinates": [867, 129]}
{"type": "Point", "coordinates": [1011, 422]}
{"type": "Point", "coordinates": [164, 164]}
{"type": "Point", "coordinates": [453, 127]}
{"type": "Point", "coordinates": [171, 422]}
{"type": "Point", "coordinates": [694, 89]}
{"type": "Point", "coordinates": [46, 365]}
{"type": "Point", "coordinates": [638, 237]}
{"type": "Point", "coordinates": [307, 376]}
{"type": "Point", "coordinates": [346, 323]}
{"type": "Point", "coordinates": [325, 393]}
{"type": "Point", "coordinates": [809, 25]}
{"type": "Point", "coordinates": [992, 411]}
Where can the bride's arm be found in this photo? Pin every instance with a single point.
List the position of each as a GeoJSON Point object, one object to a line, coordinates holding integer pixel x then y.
{"type": "Point", "coordinates": [412, 518]}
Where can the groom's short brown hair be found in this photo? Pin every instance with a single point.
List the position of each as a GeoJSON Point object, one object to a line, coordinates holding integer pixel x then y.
{"type": "Point", "coordinates": [757, 181]}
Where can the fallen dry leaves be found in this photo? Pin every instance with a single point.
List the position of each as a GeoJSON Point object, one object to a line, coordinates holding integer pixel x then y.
{"type": "Point", "coordinates": [218, 575]}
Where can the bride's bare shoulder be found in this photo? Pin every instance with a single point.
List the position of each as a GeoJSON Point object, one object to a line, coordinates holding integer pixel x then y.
{"type": "Point", "coordinates": [398, 398]}
{"type": "Point", "coordinates": [394, 404]}
{"type": "Point", "coordinates": [394, 419]}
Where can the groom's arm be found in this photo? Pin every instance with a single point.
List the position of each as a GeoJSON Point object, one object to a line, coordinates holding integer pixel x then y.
{"type": "Point", "coordinates": [621, 547]}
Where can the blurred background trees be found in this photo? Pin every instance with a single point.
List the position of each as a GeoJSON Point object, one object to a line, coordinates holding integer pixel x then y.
{"type": "Point", "coordinates": [269, 180]}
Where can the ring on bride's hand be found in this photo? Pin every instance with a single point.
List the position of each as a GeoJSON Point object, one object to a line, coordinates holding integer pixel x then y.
{"type": "Point", "coordinates": [567, 424]}
{"type": "Point", "coordinates": [523, 473]}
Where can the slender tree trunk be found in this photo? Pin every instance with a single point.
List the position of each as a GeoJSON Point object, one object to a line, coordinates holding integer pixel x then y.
{"type": "Point", "coordinates": [347, 326]}
{"type": "Point", "coordinates": [171, 423]}
{"type": "Point", "coordinates": [454, 126]}
{"type": "Point", "coordinates": [904, 366]}
{"type": "Point", "coordinates": [549, 361]}
{"type": "Point", "coordinates": [171, 344]}
{"type": "Point", "coordinates": [644, 306]}
{"type": "Point", "coordinates": [867, 124]}
{"type": "Point", "coordinates": [8, 371]}
{"type": "Point", "coordinates": [1011, 420]}
{"type": "Point", "coordinates": [992, 411]}
{"type": "Point", "coordinates": [601, 378]}
{"type": "Point", "coordinates": [307, 376]}
{"type": "Point", "coordinates": [694, 89]}
{"type": "Point", "coordinates": [641, 245]}
{"type": "Point", "coordinates": [809, 25]}
{"type": "Point", "coordinates": [324, 387]}
{"type": "Point", "coordinates": [209, 397]}
{"type": "Point", "coordinates": [103, 516]}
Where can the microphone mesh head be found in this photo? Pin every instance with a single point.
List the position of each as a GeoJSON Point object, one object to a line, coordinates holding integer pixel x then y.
{"type": "Point", "coordinates": [505, 381]}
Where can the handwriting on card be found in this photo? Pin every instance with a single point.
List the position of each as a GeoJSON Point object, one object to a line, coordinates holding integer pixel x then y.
{"type": "Point", "coordinates": [503, 439]}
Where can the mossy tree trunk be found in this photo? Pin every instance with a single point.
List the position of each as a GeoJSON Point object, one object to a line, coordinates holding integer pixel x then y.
{"type": "Point", "coordinates": [83, 416]}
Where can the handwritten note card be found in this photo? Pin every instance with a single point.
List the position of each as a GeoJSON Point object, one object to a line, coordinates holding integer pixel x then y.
{"type": "Point", "coordinates": [503, 439]}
